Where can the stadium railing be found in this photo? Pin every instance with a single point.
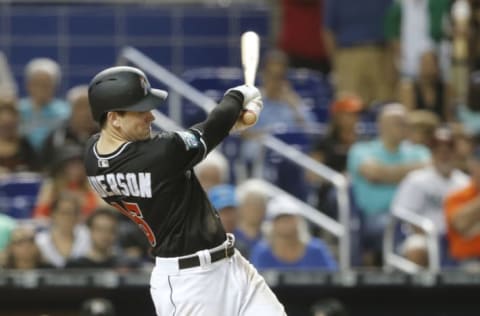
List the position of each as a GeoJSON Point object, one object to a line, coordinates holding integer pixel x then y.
{"type": "Point", "coordinates": [391, 259]}
{"type": "Point", "coordinates": [179, 88]}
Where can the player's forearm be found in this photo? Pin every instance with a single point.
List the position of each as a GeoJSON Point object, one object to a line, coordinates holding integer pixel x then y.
{"type": "Point", "coordinates": [221, 120]}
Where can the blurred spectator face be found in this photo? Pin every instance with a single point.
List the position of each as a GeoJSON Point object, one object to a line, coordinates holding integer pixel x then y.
{"type": "Point", "coordinates": [345, 115]}
{"type": "Point", "coordinates": [421, 126]}
{"type": "Point", "coordinates": [443, 150]}
{"type": "Point", "coordinates": [23, 250]}
{"type": "Point", "coordinates": [74, 171]}
{"type": "Point", "coordinates": [392, 124]}
{"type": "Point", "coordinates": [443, 156]}
{"type": "Point", "coordinates": [228, 216]}
{"type": "Point", "coordinates": [252, 209]}
{"type": "Point", "coordinates": [429, 66]}
{"type": "Point", "coordinates": [286, 227]}
{"type": "Point", "coordinates": [463, 145]}
{"type": "Point", "coordinates": [41, 87]}
{"type": "Point", "coordinates": [8, 119]}
{"type": "Point", "coordinates": [103, 232]}
{"type": "Point", "coordinates": [209, 176]}
{"type": "Point", "coordinates": [346, 120]}
{"type": "Point", "coordinates": [65, 214]}
{"type": "Point", "coordinates": [418, 255]}
{"type": "Point", "coordinates": [81, 118]}
{"type": "Point", "coordinates": [414, 248]}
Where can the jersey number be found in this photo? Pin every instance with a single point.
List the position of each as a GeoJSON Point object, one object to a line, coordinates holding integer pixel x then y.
{"type": "Point", "coordinates": [132, 211]}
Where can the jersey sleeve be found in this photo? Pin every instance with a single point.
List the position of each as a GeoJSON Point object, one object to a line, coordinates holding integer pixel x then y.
{"type": "Point", "coordinates": [181, 150]}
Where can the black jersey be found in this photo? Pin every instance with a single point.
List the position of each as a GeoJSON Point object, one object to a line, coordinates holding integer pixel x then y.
{"type": "Point", "coordinates": [153, 183]}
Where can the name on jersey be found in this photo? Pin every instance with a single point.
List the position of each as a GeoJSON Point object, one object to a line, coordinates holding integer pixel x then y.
{"type": "Point", "coordinates": [126, 184]}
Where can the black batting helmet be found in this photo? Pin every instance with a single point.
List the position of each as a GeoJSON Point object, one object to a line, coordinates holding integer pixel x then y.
{"type": "Point", "coordinates": [122, 88]}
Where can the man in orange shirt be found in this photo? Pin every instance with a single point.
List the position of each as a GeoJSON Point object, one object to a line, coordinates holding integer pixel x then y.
{"type": "Point", "coordinates": [462, 212]}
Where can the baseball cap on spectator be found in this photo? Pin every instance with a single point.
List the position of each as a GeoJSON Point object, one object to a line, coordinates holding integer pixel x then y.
{"type": "Point", "coordinates": [281, 205]}
{"type": "Point", "coordinates": [222, 196]}
{"type": "Point", "coordinates": [347, 104]}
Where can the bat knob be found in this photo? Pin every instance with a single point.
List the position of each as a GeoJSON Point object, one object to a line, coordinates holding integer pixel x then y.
{"type": "Point", "coordinates": [249, 118]}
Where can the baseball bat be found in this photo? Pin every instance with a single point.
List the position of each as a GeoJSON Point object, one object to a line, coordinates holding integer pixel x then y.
{"type": "Point", "coordinates": [250, 50]}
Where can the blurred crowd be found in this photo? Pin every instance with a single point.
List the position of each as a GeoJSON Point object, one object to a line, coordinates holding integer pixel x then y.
{"type": "Point", "coordinates": [411, 67]}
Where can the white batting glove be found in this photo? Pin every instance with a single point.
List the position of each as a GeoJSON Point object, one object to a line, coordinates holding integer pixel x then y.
{"type": "Point", "coordinates": [252, 104]}
{"type": "Point", "coordinates": [249, 93]}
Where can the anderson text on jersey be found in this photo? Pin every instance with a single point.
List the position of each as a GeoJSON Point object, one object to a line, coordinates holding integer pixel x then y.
{"type": "Point", "coordinates": [126, 184]}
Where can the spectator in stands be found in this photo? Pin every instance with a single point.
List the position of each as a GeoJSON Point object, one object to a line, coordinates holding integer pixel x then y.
{"type": "Point", "coordinates": [65, 238]}
{"type": "Point", "coordinates": [79, 127]}
{"type": "Point", "coordinates": [376, 167]}
{"type": "Point", "coordinates": [252, 204]}
{"type": "Point", "coordinates": [103, 227]}
{"type": "Point", "coordinates": [356, 44]}
{"type": "Point", "coordinates": [414, 28]}
{"type": "Point", "coordinates": [67, 175]}
{"type": "Point", "coordinates": [40, 111]}
{"type": "Point", "coordinates": [288, 244]}
{"type": "Point", "coordinates": [423, 191]}
{"type": "Point", "coordinates": [428, 91]}
{"type": "Point", "coordinates": [213, 170]}
{"type": "Point", "coordinates": [469, 114]}
{"type": "Point", "coordinates": [134, 246]}
{"type": "Point", "coordinates": [16, 153]}
{"type": "Point", "coordinates": [8, 86]}
{"type": "Point", "coordinates": [282, 106]}
{"type": "Point", "coordinates": [22, 253]}
{"type": "Point", "coordinates": [301, 34]}
{"type": "Point", "coordinates": [341, 133]}
{"type": "Point", "coordinates": [421, 126]}
{"type": "Point", "coordinates": [283, 113]}
{"type": "Point", "coordinates": [223, 199]}
{"type": "Point", "coordinates": [415, 249]}
{"type": "Point", "coordinates": [463, 146]}
{"type": "Point", "coordinates": [332, 150]}
{"type": "Point", "coordinates": [462, 210]}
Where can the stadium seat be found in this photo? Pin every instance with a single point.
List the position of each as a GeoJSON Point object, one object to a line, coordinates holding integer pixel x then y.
{"type": "Point", "coordinates": [18, 194]}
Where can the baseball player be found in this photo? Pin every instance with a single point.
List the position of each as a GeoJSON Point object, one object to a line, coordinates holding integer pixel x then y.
{"type": "Point", "coordinates": [150, 179]}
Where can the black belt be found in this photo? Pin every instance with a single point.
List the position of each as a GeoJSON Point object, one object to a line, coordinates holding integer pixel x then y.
{"type": "Point", "coordinates": [194, 261]}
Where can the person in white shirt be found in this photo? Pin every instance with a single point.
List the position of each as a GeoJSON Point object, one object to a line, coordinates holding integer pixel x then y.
{"type": "Point", "coordinates": [423, 191]}
{"type": "Point", "coordinates": [65, 238]}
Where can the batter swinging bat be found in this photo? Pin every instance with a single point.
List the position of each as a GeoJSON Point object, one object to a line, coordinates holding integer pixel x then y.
{"type": "Point", "coordinates": [250, 49]}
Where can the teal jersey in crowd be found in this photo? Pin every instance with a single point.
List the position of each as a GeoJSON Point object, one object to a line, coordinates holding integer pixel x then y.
{"type": "Point", "coordinates": [372, 197]}
{"type": "Point", "coordinates": [37, 124]}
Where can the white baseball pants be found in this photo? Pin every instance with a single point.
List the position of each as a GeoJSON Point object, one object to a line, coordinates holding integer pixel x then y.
{"type": "Point", "coordinates": [228, 287]}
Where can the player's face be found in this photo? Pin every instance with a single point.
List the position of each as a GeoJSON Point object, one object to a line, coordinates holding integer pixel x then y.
{"type": "Point", "coordinates": [135, 126]}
